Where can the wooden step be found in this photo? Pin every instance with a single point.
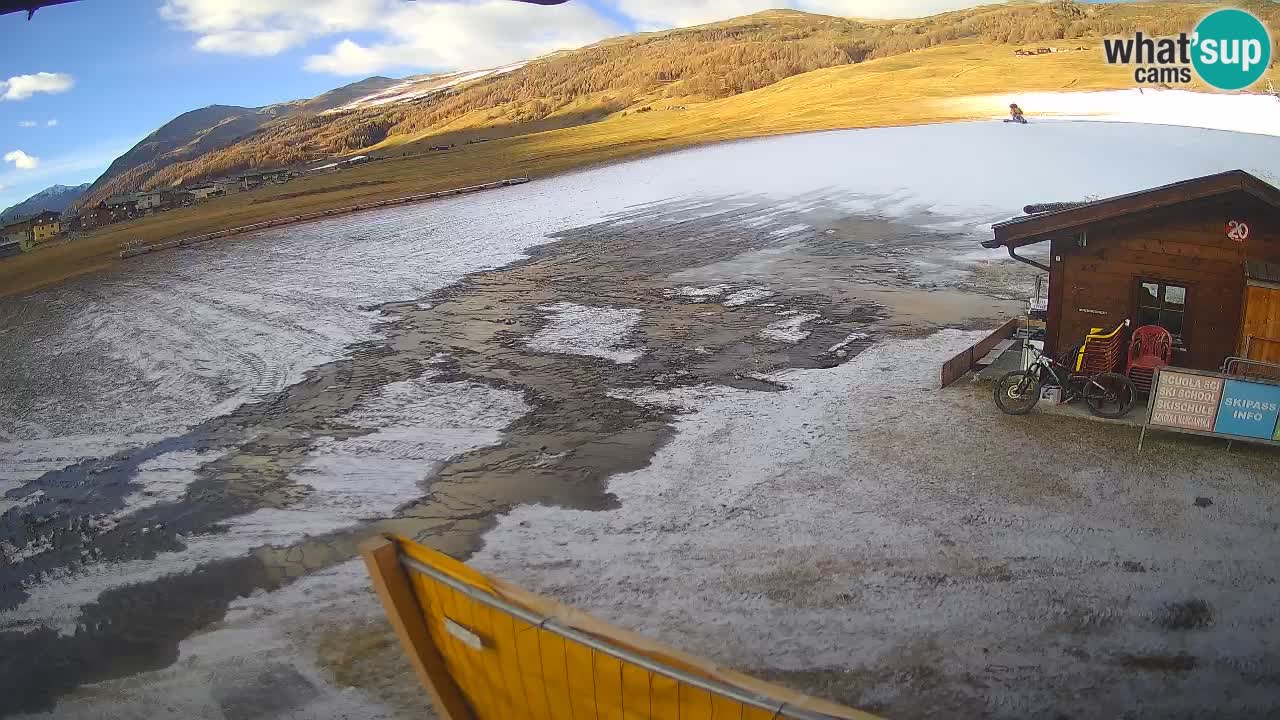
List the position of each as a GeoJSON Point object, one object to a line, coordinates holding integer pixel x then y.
{"type": "Point", "coordinates": [996, 352]}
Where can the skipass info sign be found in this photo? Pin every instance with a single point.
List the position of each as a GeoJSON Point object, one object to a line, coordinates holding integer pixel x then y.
{"type": "Point", "coordinates": [1214, 404]}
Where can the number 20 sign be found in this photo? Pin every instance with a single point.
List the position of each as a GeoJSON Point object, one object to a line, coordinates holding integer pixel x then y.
{"type": "Point", "coordinates": [1237, 230]}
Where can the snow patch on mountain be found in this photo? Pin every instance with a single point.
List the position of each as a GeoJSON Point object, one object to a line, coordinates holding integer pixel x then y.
{"type": "Point", "coordinates": [421, 86]}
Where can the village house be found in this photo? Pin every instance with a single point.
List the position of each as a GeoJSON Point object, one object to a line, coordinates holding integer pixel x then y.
{"type": "Point", "coordinates": [46, 225]}
{"type": "Point", "coordinates": [1199, 258]}
{"type": "Point", "coordinates": [28, 232]}
{"type": "Point", "coordinates": [252, 180]}
{"type": "Point", "coordinates": [207, 190]}
{"type": "Point", "coordinates": [230, 185]}
{"type": "Point", "coordinates": [16, 238]}
{"type": "Point", "coordinates": [122, 207]}
{"type": "Point", "coordinates": [153, 200]}
{"type": "Point", "coordinates": [149, 200]}
{"type": "Point", "coordinates": [91, 217]}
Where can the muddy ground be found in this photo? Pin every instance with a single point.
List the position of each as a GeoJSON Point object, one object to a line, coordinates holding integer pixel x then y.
{"type": "Point", "coordinates": [713, 421]}
{"type": "Point", "coordinates": [782, 294]}
{"type": "Point", "coordinates": [870, 539]}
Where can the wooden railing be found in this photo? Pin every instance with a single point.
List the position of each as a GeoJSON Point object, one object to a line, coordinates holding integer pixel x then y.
{"type": "Point", "coordinates": [956, 367]}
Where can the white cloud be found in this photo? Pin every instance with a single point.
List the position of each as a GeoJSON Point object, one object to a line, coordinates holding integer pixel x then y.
{"type": "Point", "coordinates": [438, 34]}
{"type": "Point", "coordinates": [51, 122]}
{"type": "Point", "coordinates": [653, 15]}
{"type": "Point", "coordinates": [243, 42]}
{"type": "Point", "coordinates": [348, 58]}
{"type": "Point", "coordinates": [21, 87]}
{"type": "Point", "coordinates": [74, 165]}
{"type": "Point", "coordinates": [27, 123]}
{"type": "Point", "coordinates": [268, 27]}
{"type": "Point", "coordinates": [465, 34]}
{"type": "Point", "coordinates": [21, 160]}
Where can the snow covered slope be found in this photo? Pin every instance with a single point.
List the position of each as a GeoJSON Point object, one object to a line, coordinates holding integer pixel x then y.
{"type": "Point", "coordinates": [1239, 112]}
{"type": "Point", "coordinates": [420, 86]}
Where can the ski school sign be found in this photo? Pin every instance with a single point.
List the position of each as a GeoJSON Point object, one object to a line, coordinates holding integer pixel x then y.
{"type": "Point", "coordinates": [1229, 49]}
{"type": "Point", "coordinates": [1205, 403]}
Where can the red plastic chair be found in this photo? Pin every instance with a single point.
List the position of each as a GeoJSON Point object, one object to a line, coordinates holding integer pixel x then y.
{"type": "Point", "coordinates": [1150, 348]}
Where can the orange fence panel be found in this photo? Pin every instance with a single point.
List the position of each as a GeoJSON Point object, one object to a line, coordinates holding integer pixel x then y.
{"type": "Point", "coordinates": [488, 650]}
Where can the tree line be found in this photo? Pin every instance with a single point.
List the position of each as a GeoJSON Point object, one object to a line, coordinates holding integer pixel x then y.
{"type": "Point", "coordinates": [700, 63]}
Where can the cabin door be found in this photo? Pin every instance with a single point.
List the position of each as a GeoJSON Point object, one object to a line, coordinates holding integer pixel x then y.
{"type": "Point", "coordinates": [1260, 337]}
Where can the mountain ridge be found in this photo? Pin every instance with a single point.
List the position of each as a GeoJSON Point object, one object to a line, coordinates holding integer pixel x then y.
{"type": "Point", "coordinates": [210, 128]}
{"type": "Point", "coordinates": [55, 198]}
{"type": "Point", "coordinates": [640, 72]}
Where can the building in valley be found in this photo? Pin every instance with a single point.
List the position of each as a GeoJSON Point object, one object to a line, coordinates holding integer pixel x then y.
{"type": "Point", "coordinates": [45, 226]}
{"type": "Point", "coordinates": [1200, 258]}
{"type": "Point", "coordinates": [149, 200]}
{"type": "Point", "coordinates": [207, 190]}
{"type": "Point", "coordinates": [251, 180]}
{"type": "Point", "coordinates": [21, 236]}
{"type": "Point", "coordinates": [15, 241]}
{"type": "Point", "coordinates": [121, 206]}
{"type": "Point", "coordinates": [92, 217]}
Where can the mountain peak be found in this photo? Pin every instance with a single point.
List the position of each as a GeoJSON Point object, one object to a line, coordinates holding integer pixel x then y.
{"type": "Point", "coordinates": [55, 198]}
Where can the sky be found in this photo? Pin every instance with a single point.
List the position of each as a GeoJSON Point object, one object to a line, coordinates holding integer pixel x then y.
{"type": "Point", "coordinates": [81, 83]}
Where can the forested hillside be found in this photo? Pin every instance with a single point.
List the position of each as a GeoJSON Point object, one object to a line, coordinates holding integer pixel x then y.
{"type": "Point", "coordinates": [639, 72]}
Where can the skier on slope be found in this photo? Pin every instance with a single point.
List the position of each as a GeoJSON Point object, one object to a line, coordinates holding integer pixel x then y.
{"type": "Point", "coordinates": [1015, 114]}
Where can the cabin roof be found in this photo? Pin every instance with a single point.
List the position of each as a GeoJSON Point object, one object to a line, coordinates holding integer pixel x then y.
{"type": "Point", "coordinates": [1038, 227]}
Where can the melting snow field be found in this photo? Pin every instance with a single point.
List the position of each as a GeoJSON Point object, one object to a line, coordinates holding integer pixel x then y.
{"type": "Point", "coordinates": [1239, 113]}
{"type": "Point", "coordinates": [185, 336]}
{"type": "Point", "coordinates": [117, 360]}
{"type": "Point", "coordinates": [790, 329]}
{"type": "Point", "coordinates": [902, 548]}
{"type": "Point", "coordinates": [260, 662]}
{"type": "Point", "coordinates": [414, 426]}
{"type": "Point", "coordinates": [592, 331]}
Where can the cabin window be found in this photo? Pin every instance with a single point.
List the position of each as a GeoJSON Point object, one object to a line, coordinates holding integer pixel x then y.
{"type": "Point", "coordinates": [1164, 304]}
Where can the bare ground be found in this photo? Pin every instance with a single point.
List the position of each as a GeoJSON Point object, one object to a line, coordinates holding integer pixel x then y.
{"type": "Point", "coordinates": [772, 481]}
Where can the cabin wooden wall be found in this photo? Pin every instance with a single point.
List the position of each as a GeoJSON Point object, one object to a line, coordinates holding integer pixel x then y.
{"type": "Point", "coordinates": [1187, 245]}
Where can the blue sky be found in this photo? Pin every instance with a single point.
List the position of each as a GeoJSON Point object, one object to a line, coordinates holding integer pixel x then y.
{"type": "Point", "coordinates": [133, 71]}
{"type": "Point", "coordinates": [81, 83]}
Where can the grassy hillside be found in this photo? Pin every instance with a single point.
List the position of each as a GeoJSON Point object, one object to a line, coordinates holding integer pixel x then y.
{"type": "Point", "coordinates": [928, 85]}
{"type": "Point", "coordinates": [924, 86]}
{"type": "Point", "coordinates": [208, 130]}
{"type": "Point", "coordinates": [646, 71]}
{"type": "Point", "coordinates": [189, 135]}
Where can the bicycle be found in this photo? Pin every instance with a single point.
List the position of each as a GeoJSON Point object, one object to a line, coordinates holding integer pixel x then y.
{"type": "Point", "coordinates": [1108, 395]}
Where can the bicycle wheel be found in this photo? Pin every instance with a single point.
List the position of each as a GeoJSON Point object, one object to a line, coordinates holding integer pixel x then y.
{"type": "Point", "coordinates": [1110, 395]}
{"type": "Point", "coordinates": [1017, 392]}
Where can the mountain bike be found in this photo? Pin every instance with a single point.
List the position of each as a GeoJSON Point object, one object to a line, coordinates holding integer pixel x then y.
{"type": "Point", "coordinates": [1108, 395]}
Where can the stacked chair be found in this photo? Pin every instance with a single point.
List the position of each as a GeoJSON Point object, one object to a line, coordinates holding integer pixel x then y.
{"type": "Point", "coordinates": [1102, 351]}
{"type": "Point", "coordinates": [1150, 349]}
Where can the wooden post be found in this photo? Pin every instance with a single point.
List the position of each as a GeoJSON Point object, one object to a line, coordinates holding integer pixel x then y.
{"type": "Point", "coordinates": [405, 615]}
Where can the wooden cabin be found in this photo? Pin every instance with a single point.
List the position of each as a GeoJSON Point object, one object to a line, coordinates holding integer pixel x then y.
{"type": "Point", "coordinates": [1200, 258]}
